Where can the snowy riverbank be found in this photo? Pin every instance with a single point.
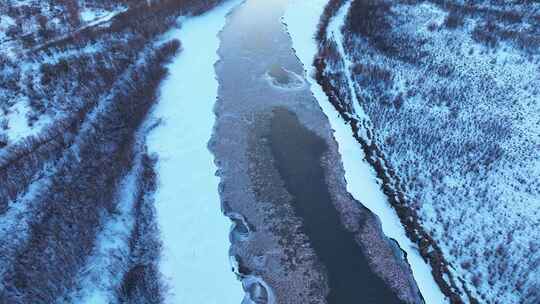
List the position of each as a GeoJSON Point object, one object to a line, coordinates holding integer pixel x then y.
{"type": "Point", "coordinates": [302, 18]}
{"type": "Point", "coordinates": [194, 232]}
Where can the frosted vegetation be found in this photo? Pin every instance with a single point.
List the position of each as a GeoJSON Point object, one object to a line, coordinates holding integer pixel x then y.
{"type": "Point", "coordinates": [58, 58]}
{"type": "Point", "coordinates": [73, 110]}
{"type": "Point", "coordinates": [60, 83]}
{"type": "Point", "coordinates": [41, 65]}
{"type": "Point", "coordinates": [452, 95]}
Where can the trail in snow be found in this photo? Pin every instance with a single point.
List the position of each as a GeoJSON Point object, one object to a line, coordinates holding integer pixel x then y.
{"type": "Point", "coordinates": [302, 18]}
{"type": "Point", "coordinates": [194, 232]}
{"type": "Point", "coordinates": [104, 268]}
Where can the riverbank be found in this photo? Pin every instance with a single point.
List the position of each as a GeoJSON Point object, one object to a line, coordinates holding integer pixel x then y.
{"type": "Point", "coordinates": [303, 18]}
{"type": "Point", "coordinates": [193, 231]}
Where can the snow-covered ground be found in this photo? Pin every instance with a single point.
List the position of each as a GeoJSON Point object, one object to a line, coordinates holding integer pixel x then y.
{"type": "Point", "coordinates": [194, 232]}
{"type": "Point", "coordinates": [17, 122]}
{"type": "Point", "coordinates": [302, 18]}
{"type": "Point", "coordinates": [5, 23]}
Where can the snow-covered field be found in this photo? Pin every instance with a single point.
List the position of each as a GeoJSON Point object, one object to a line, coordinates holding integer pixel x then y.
{"type": "Point", "coordinates": [302, 18]}
{"type": "Point", "coordinates": [194, 232]}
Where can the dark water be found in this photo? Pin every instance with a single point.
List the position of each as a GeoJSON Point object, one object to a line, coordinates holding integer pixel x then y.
{"type": "Point", "coordinates": [297, 152]}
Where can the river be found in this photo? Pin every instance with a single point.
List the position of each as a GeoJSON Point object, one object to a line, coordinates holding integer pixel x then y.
{"type": "Point", "coordinates": [305, 239]}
